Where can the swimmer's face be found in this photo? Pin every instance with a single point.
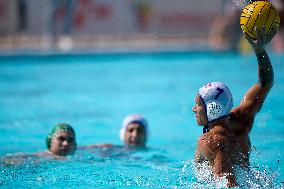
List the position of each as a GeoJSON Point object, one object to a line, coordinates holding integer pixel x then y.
{"type": "Point", "coordinates": [63, 143]}
{"type": "Point", "coordinates": [135, 135]}
{"type": "Point", "coordinates": [199, 111]}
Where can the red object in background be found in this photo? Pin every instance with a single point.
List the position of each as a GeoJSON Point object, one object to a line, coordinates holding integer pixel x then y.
{"type": "Point", "coordinates": [102, 11]}
{"type": "Point", "coordinates": [87, 9]}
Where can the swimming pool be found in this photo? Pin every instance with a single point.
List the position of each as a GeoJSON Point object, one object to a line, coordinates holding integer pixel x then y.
{"type": "Point", "coordinates": [93, 93]}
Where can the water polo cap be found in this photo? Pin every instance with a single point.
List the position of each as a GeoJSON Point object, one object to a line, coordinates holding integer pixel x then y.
{"type": "Point", "coordinates": [217, 100]}
{"type": "Point", "coordinates": [133, 118]}
{"type": "Point", "coordinates": [58, 128]}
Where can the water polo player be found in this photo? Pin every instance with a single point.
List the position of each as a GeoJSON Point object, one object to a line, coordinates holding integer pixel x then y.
{"type": "Point", "coordinates": [134, 130]}
{"type": "Point", "coordinates": [132, 133]}
{"type": "Point", "coordinates": [225, 142]}
{"type": "Point", "coordinates": [62, 140]}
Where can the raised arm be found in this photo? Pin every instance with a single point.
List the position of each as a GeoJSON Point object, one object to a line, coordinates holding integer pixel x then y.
{"type": "Point", "coordinates": [255, 96]}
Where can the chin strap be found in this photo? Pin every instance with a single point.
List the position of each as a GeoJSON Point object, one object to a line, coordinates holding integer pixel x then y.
{"type": "Point", "coordinates": [205, 129]}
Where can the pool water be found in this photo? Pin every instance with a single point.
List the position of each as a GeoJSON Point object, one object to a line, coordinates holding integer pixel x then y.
{"type": "Point", "coordinates": [93, 93]}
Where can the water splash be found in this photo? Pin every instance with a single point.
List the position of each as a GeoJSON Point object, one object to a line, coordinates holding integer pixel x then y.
{"type": "Point", "coordinates": [253, 177]}
{"type": "Point", "coordinates": [202, 176]}
{"type": "Point", "coordinates": [242, 3]}
{"type": "Point", "coordinates": [257, 178]}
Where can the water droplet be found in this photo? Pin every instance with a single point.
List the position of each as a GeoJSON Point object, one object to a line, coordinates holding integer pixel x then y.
{"type": "Point", "coordinates": [39, 179]}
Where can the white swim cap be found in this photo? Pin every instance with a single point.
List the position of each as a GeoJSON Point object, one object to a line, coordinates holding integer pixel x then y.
{"type": "Point", "coordinates": [217, 100]}
{"type": "Point", "coordinates": [131, 119]}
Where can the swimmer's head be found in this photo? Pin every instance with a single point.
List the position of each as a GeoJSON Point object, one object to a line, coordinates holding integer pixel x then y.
{"type": "Point", "coordinates": [61, 140]}
{"type": "Point", "coordinates": [134, 130]}
{"type": "Point", "coordinates": [217, 100]}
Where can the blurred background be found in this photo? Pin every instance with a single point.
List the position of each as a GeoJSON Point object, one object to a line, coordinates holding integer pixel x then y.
{"type": "Point", "coordinates": [80, 62]}
{"type": "Point", "coordinates": [77, 26]}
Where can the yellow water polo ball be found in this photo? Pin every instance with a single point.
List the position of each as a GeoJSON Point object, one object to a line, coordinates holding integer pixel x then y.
{"type": "Point", "coordinates": [259, 14]}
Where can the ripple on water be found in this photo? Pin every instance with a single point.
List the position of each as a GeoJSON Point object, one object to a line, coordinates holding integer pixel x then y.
{"type": "Point", "coordinates": [90, 170]}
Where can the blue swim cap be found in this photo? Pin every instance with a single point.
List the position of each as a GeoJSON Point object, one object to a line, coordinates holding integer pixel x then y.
{"type": "Point", "coordinates": [217, 100]}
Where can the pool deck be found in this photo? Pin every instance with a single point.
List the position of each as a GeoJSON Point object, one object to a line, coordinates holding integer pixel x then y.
{"type": "Point", "coordinates": [26, 44]}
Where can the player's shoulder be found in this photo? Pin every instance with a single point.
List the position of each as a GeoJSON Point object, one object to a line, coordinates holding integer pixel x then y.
{"type": "Point", "coordinates": [240, 121]}
{"type": "Point", "coordinates": [241, 113]}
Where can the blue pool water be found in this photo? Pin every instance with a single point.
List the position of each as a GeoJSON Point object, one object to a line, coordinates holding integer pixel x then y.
{"type": "Point", "coordinates": [93, 93]}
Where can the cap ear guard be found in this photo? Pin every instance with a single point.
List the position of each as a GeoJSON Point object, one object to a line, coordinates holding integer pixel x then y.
{"type": "Point", "coordinates": [214, 110]}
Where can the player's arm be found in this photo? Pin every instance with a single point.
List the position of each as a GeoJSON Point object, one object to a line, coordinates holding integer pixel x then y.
{"type": "Point", "coordinates": [255, 96]}
{"type": "Point", "coordinates": [95, 146]}
{"type": "Point", "coordinates": [199, 155]}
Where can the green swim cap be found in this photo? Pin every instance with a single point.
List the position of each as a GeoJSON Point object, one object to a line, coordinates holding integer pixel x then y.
{"type": "Point", "coordinates": [62, 127]}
